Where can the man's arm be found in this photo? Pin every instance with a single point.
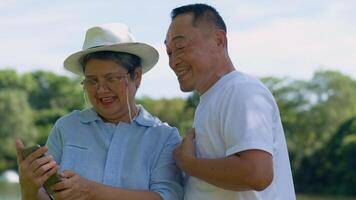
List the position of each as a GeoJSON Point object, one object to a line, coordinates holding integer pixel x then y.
{"type": "Point", "coordinates": [246, 170]}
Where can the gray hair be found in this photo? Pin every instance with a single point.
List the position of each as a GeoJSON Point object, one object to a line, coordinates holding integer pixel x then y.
{"type": "Point", "coordinates": [127, 60]}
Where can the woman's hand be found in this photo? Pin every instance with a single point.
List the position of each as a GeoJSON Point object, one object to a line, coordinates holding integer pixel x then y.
{"type": "Point", "coordinates": [72, 186]}
{"type": "Point", "coordinates": [34, 170]}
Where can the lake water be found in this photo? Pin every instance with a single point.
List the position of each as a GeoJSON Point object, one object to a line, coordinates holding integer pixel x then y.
{"type": "Point", "coordinates": [11, 191]}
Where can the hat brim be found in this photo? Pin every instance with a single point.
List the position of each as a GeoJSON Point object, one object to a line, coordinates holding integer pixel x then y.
{"type": "Point", "coordinates": [148, 55]}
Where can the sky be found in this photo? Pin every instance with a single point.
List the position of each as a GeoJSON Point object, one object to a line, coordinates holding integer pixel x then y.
{"type": "Point", "coordinates": [289, 38]}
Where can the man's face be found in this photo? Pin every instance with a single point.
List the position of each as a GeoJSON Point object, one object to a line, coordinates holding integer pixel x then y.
{"type": "Point", "coordinates": [188, 49]}
{"type": "Point", "coordinates": [106, 83]}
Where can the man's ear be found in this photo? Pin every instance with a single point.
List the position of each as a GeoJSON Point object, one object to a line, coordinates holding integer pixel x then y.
{"type": "Point", "coordinates": [220, 38]}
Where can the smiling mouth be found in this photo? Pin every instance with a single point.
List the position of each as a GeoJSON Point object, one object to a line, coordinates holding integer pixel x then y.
{"type": "Point", "coordinates": [181, 73]}
{"type": "Point", "coordinates": [107, 100]}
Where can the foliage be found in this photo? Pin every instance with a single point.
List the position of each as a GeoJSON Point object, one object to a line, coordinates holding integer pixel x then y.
{"type": "Point", "coordinates": [332, 167]}
{"type": "Point", "coordinates": [16, 122]}
{"type": "Point", "coordinates": [318, 117]}
{"type": "Point", "coordinates": [29, 106]}
{"type": "Point", "coordinates": [55, 91]}
{"type": "Point", "coordinates": [171, 111]}
{"type": "Point", "coordinates": [312, 113]}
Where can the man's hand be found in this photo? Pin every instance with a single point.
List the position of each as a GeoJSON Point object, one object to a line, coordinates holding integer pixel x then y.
{"type": "Point", "coordinates": [72, 186]}
{"type": "Point", "coordinates": [34, 170]}
{"type": "Point", "coordinates": [185, 151]}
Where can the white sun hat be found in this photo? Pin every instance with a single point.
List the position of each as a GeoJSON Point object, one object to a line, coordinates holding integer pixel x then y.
{"type": "Point", "coordinates": [115, 37]}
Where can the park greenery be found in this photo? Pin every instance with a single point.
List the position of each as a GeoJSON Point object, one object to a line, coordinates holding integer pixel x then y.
{"type": "Point", "coordinates": [318, 115]}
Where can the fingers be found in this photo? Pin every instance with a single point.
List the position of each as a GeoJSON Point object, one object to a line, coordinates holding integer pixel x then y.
{"type": "Point", "coordinates": [19, 147]}
{"type": "Point", "coordinates": [176, 150]}
{"type": "Point", "coordinates": [44, 167]}
{"type": "Point", "coordinates": [49, 173]}
{"type": "Point", "coordinates": [67, 174]}
{"type": "Point", "coordinates": [35, 164]}
{"type": "Point", "coordinates": [191, 133]}
{"type": "Point", "coordinates": [43, 160]}
{"type": "Point", "coordinates": [74, 187]}
{"type": "Point", "coordinates": [37, 159]}
{"type": "Point", "coordinates": [63, 185]}
{"type": "Point", "coordinates": [61, 194]}
{"type": "Point", "coordinates": [37, 154]}
{"type": "Point", "coordinates": [66, 182]}
{"type": "Point", "coordinates": [36, 167]}
{"type": "Point", "coordinates": [190, 136]}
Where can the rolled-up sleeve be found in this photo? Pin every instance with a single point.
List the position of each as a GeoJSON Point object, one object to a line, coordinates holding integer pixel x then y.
{"type": "Point", "coordinates": [166, 178]}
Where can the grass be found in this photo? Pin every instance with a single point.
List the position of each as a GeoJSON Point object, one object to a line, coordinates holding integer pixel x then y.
{"type": "Point", "coordinates": [319, 197]}
{"type": "Point", "coordinates": [12, 192]}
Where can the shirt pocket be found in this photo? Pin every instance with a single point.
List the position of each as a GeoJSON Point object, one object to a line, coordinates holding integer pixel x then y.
{"type": "Point", "coordinates": [75, 158]}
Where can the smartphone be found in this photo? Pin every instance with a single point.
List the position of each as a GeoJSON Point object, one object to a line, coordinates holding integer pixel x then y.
{"type": "Point", "coordinates": [55, 178]}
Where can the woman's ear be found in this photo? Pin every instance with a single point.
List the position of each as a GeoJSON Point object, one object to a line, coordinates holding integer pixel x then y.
{"type": "Point", "coordinates": [138, 77]}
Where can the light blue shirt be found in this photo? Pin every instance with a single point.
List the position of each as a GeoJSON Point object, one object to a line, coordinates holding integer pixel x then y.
{"type": "Point", "coordinates": [135, 155]}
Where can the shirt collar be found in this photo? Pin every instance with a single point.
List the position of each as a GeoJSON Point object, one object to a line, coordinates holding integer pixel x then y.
{"type": "Point", "coordinates": [89, 115]}
{"type": "Point", "coordinates": [143, 118]}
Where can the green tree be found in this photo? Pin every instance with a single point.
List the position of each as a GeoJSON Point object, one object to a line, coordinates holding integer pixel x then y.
{"type": "Point", "coordinates": [54, 91]}
{"type": "Point", "coordinates": [10, 79]}
{"type": "Point", "coordinates": [331, 168]}
{"type": "Point", "coordinates": [52, 96]}
{"type": "Point", "coordinates": [311, 111]}
{"type": "Point", "coordinates": [168, 110]}
{"type": "Point", "coordinates": [16, 122]}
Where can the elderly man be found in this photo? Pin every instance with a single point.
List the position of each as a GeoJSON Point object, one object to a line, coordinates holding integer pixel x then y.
{"type": "Point", "coordinates": [237, 149]}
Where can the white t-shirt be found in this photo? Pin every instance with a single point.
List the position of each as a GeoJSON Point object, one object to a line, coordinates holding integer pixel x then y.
{"type": "Point", "coordinates": [239, 113]}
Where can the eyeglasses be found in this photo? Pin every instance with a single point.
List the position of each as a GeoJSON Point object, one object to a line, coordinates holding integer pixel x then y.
{"type": "Point", "coordinates": [110, 80]}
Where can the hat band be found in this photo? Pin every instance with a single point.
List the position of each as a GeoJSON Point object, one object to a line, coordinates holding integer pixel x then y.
{"type": "Point", "coordinates": [95, 46]}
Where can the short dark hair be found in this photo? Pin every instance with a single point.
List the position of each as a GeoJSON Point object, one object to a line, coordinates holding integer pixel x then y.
{"type": "Point", "coordinates": [200, 12]}
{"type": "Point", "coordinates": [127, 60]}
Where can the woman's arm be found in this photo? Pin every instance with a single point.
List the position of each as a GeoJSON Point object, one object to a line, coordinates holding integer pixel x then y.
{"type": "Point", "coordinates": [74, 186]}
{"type": "Point", "coordinates": [34, 170]}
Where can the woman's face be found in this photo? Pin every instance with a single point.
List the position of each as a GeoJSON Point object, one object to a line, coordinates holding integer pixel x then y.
{"type": "Point", "coordinates": [108, 86]}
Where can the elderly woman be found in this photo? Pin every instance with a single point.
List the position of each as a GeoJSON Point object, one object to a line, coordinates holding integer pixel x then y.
{"type": "Point", "coordinates": [116, 149]}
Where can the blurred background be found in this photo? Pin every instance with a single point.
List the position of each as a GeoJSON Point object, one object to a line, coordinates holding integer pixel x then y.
{"type": "Point", "coordinates": [304, 51]}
